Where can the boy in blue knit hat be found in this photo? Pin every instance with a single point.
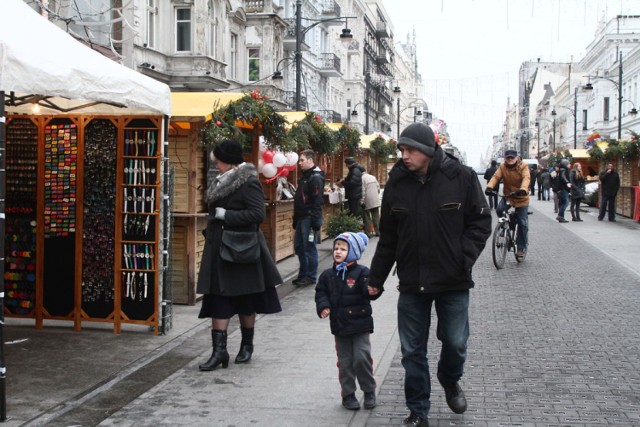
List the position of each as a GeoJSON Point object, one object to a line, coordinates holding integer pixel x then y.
{"type": "Point", "coordinates": [343, 295]}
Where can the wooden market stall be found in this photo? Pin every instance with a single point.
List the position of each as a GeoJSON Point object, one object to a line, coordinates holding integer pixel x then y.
{"type": "Point", "coordinates": [83, 180]}
{"type": "Point", "coordinates": [192, 112]}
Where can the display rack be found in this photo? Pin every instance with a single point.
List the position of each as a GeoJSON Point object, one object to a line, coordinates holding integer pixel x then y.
{"type": "Point", "coordinates": [138, 249]}
{"type": "Point", "coordinates": [82, 214]}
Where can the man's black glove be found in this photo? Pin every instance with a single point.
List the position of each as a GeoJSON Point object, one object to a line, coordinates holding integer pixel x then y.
{"type": "Point", "coordinates": [295, 224]}
{"type": "Point", "coordinates": [488, 191]}
{"type": "Point", "coordinates": [521, 192]}
{"type": "Point", "coordinates": [315, 226]}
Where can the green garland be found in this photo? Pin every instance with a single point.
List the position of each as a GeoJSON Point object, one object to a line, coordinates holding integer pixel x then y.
{"type": "Point", "coordinates": [254, 110]}
{"type": "Point", "coordinates": [631, 147]}
{"type": "Point", "coordinates": [382, 149]}
{"type": "Point", "coordinates": [311, 133]}
{"type": "Point", "coordinates": [350, 139]}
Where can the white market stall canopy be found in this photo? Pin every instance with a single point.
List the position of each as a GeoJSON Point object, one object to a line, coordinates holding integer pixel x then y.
{"type": "Point", "coordinates": [40, 63]}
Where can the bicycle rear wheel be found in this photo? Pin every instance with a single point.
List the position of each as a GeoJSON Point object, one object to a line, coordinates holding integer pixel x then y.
{"type": "Point", "coordinates": [500, 245]}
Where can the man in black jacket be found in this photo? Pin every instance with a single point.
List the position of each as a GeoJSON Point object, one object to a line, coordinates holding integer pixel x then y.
{"type": "Point", "coordinates": [434, 224]}
{"type": "Point", "coordinates": [353, 186]}
{"type": "Point", "coordinates": [488, 174]}
{"type": "Point", "coordinates": [610, 184]}
{"type": "Point", "coordinates": [307, 218]}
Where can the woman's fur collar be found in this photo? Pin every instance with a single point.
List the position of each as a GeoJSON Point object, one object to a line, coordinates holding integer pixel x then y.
{"type": "Point", "coordinates": [217, 191]}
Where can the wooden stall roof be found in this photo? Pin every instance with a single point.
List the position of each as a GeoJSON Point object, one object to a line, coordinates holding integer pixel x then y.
{"type": "Point", "coordinates": [365, 140]}
{"type": "Point", "coordinates": [198, 106]}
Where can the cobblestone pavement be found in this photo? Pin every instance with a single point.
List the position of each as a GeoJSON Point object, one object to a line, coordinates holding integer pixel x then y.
{"type": "Point", "coordinates": [555, 341]}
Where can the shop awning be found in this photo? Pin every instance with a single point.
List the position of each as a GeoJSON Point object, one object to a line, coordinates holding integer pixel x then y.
{"type": "Point", "coordinates": [365, 140]}
{"type": "Point", "coordinates": [199, 106]}
{"type": "Point", "coordinates": [40, 63]}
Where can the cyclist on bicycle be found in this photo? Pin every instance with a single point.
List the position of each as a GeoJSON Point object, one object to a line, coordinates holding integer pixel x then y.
{"type": "Point", "coordinates": [514, 174]}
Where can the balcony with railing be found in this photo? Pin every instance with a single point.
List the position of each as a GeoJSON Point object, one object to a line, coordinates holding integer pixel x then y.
{"type": "Point", "coordinates": [289, 39]}
{"type": "Point", "coordinates": [329, 65]}
{"type": "Point", "coordinates": [289, 98]}
{"type": "Point", "coordinates": [382, 30]}
{"type": "Point", "coordinates": [330, 9]}
{"type": "Point", "coordinates": [330, 116]}
{"type": "Point", "coordinates": [254, 6]}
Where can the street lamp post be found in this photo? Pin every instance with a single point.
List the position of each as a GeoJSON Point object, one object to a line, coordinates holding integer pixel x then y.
{"type": "Point", "coordinates": [618, 86]}
{"type": "Point", "coordinates": [575, 118]}
{"type": "Point", "coordinates": [300, 32]}
{"type": "Point", "coordinates": [553, 113]}
{"type": "Point", "coordinates": [538, 146]}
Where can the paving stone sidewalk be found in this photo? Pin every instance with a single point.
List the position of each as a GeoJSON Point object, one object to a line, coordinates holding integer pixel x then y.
{"type": "Point", "coordinates": [555, 341]}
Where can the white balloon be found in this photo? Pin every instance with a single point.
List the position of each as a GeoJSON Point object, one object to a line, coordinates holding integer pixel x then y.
{"type": "Point", "coordinates": [292, 158]}
{"type": "Point", "coordinates": [269, 170]}
{"type": "Point", "coordinates": [260, 165]}
{"type": "Point", "coordinates": [279, 159]}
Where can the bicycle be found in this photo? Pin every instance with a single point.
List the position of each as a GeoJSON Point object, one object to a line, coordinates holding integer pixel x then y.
{"type": "Point", "coordinates": [504, 235]}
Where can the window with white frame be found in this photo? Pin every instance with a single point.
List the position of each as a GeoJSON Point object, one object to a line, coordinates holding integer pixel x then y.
{"type": "Point", "coordinates": [183, 29]}
{"type": "Point", "coordinates": [254, 64]}
{"type": "Point", "coordinates": [233, 60]}
{"type": "Point", "coordinates": [605, 109]}
{"type": "Point", "coordinates": [152, 16]}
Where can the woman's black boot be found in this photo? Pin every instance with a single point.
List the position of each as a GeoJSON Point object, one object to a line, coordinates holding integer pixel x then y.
{"type": "Point", "coordinates": [219, 355]}
{"type": "Point", "coordinates": [246, 345]}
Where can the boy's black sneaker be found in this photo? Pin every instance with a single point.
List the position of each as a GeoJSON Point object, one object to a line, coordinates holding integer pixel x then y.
{"type": "Point", "coordinates": [369, 399]}
{"type": "Point", "coordinates": [350, 402]}
{"type": "Point", "coordinates": [415, 421]}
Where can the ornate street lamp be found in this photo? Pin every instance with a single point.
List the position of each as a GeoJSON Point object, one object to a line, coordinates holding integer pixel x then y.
{"type": "Point", "coordinates": [346, 36]}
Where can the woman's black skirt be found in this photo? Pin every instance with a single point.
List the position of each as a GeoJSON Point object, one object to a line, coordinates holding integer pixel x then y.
{"type": "Point", "coordinates": [225, 307]}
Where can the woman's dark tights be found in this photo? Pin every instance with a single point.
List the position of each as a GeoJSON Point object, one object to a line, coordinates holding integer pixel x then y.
{"type": "Point", "coordinates": [575, 209]}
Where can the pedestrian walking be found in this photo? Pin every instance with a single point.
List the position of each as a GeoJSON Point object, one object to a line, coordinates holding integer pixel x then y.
{"type": "Point", "coordinates": [555, 186]}
{"type": "Point", "coordinates": [545, 177]}
{"type": "Point", "coordinates": [434, 223]}
{"type": "Point", "coordinates": [370, 204]}
{"type": "Point", "coordinates": [609, 185]}
{"type": "Point", "coordinates": [352, 184]}
{"type": "Point", "coordinates": [488, 174]}
{"type": "Point", "coordinates": [343, 295]}
{"type": "Point", "coordinates": [231, 285]}
{"type": "Point", "coordinates": [577, 191]}
{"type": "Point", "coordinates": [533, 174]}
{"type": "Point", "coordinates": [307, 218]}
{"type": "Point", "coordinates": [564, 186]}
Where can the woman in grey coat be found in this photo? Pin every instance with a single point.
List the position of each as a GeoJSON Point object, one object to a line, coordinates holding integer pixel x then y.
{"type": "Point", "coordinates": [236, 202]}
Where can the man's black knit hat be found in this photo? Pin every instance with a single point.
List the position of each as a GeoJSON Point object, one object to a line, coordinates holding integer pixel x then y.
{"type": "Point", "coordinates": [420, 137]}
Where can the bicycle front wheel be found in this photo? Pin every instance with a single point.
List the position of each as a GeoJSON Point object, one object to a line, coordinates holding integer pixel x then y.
{"type": "Point", "coordinates": [500, 245]}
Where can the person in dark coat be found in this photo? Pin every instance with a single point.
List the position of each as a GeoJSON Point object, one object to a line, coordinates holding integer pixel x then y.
{"type": "Point", "coordinates": [488, 174]}
{"type": "Point", "coordinates": [434, 224]}
{"type": "Point", "coordinates": [554, 177]}
{"type": "Point", "coordinates": [545, 179]}
{"type": "Point", "coordinates": [577, 191]}
{"type": "Point", "coordinates": [352, 184]}
{"type": "Point", "coordinates": [609, 184]}
{"type": "Point", "coordinates": [533, 174]}
{"type": "Point", "coordinates": [236, 202]}
{"type": "Point", "coordinates": [564, 186]}
{"type": "Point", "coordinates": [343, 295]}
{"type": "Point", "coordinates": [307, 218]}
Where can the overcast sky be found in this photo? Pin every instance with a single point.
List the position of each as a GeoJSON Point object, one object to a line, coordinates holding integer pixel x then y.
{"type": "Point", "coordinates": [470, 51]}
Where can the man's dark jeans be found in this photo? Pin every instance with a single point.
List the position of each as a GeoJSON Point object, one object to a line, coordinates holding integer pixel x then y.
{"type": "Point", "coordinates": [414, 321]}
{"type": "Point", "coordinates": [522, 218]}
{"type": "Point", "coordinates": [307, 251]}
{"type": "Point", "coordinates": [607, 203]}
